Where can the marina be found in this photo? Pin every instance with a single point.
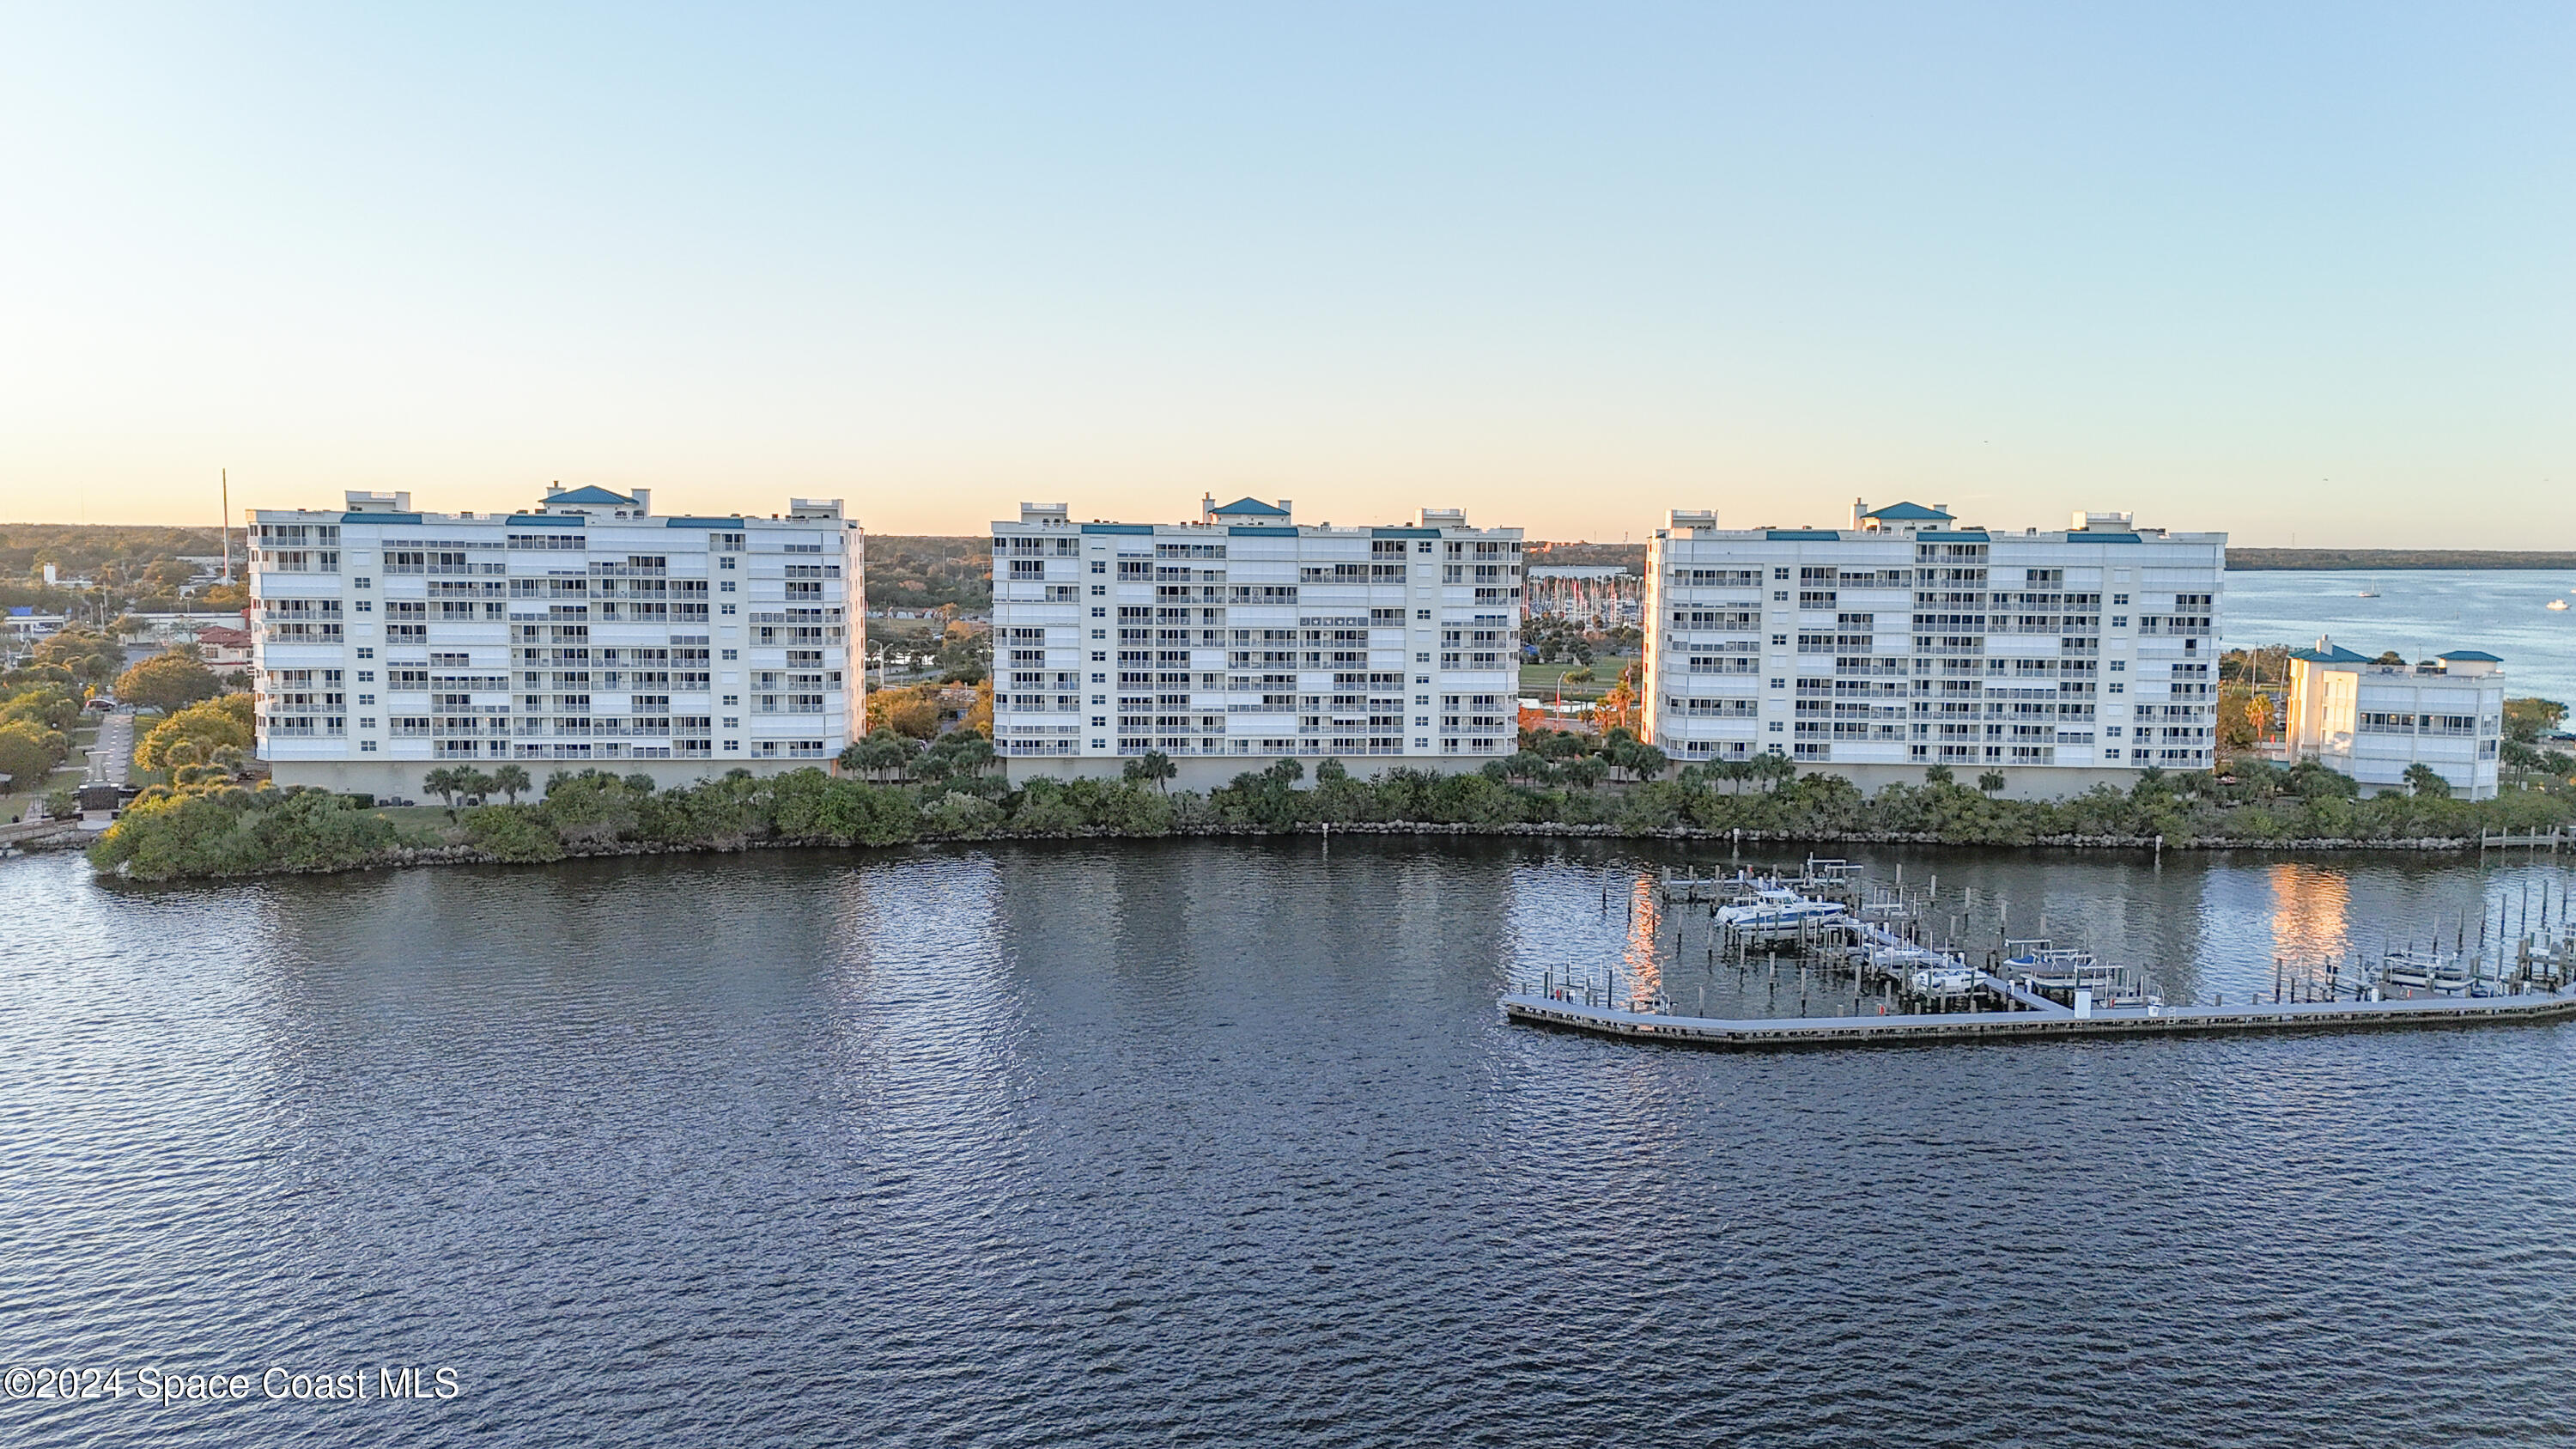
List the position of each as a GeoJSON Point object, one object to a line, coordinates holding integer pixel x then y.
{"type": "Point", "coordinates": [1878, 964]}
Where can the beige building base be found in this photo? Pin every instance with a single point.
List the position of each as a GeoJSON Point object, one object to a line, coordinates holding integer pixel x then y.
{"type": "Point", "coordinates": [1206, 772]}
{"type": "Point", "coordinates": [2031, 782]}
{"type": "Point", "coordinates": [400, 779]}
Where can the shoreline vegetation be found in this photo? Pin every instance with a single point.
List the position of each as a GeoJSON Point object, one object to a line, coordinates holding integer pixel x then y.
{"type": "Point", "coordinates": [209, 828]}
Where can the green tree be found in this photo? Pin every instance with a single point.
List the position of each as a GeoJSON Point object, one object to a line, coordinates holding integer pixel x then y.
{"type": "Point", "coordinates": [210, 725]}
{"type": "Point", "coordinates": [2527, 720]}
{"type": "Point", "coordinates": [169, 681]}
{"type": "Point", "coordinates": [93, 658]}
{"type": "Point", "coordinates": [1936, 775]}
{"type": "Point", "coordinates": [447, 782]}
{"type": "Point", "coordinates": [510, 780]}
{"type": "Point", "coordinates": [1154, 768]}
{"type": "Point", "coordinates": [29, 752]}
{"type": "Point", "coordinates": [1991, 782]}
{"type": "Point", "coordinates": [2423, 779]}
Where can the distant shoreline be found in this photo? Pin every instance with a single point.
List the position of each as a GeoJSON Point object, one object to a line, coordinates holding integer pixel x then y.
{"type": "Point", "coordinates": [2392, 559]}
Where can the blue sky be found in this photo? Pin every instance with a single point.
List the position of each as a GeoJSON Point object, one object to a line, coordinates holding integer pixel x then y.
{"type": "Point", "coordinates": [2270, 269]}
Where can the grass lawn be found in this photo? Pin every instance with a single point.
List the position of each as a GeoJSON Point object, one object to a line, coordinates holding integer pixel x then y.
{"type": "Point", "coordinates": [1541, 680]}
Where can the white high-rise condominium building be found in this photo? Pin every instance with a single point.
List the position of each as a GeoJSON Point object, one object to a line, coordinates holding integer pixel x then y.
{"type": "Point", "coordinates": [1245, 637]}
{"type": "Point", "coordinates": [588, 631]}
{"type": "Point", "coordinates": [2060, 659]}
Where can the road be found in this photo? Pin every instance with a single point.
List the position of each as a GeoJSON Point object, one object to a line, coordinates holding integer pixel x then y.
{"type": "Point", "coordinates": [116, 738]}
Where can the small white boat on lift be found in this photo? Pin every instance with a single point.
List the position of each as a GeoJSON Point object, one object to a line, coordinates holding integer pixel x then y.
{"type": "Point", "coordinates": [1776, 913]}
{"type": "Point", "coordinates": [2556, 605]}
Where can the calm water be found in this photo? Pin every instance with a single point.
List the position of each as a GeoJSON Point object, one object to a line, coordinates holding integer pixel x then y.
{"type": "Point", "coordinates": [2419, 613]}
{"type": "Point", "coordinates": [1225, 1143]}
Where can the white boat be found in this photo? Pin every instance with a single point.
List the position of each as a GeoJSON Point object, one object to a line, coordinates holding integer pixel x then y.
{"type": "Point", "coordinates": [1774, 913]}
{"type": "Point", "coordinates": [1944, 980]}
{"type": "Point", "coordinates": [2559, 604]}
{"type": "Point", "coordinates": [2369, 589]}
{"type": "Point", "coordinates": [2408, 967]}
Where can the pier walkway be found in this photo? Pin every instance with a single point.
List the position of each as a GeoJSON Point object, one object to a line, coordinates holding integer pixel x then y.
{"type": "Point", "coordinates": [2041, 1018]}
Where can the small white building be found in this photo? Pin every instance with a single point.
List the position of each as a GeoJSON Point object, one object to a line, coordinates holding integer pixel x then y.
{"type": "Point", "coordinates": [2372, 720]}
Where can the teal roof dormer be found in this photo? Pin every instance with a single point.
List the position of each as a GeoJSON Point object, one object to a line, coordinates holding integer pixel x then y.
{"type": "Point", "coordinates": [1250, 508]}
{"type": "Point", "coordinates": [593, 496]}
{"type": "Point", "coordinates": [1908, 513]}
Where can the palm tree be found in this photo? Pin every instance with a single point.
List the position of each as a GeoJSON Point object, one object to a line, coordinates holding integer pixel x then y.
{"type": "Point", "coordinates": [1936, 774]}
{"type": "Point", "coordinates": [444, 782]}
{"type": "Point", "coordinates": [1991, 781]}
{"type": "Point", "coordinates": [1157, 767]}
{"type": "Point", "coordinates": [2423, 779]}
{"type": "Point", "coordinates": [510, 780]}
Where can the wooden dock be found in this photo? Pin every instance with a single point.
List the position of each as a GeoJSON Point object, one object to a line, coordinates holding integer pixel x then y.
{"type": "Point", "coordinates": [2037, 1019]}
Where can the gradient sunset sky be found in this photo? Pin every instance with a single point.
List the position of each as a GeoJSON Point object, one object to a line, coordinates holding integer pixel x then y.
{"type": "Point", "coordinates": [2272, 269]}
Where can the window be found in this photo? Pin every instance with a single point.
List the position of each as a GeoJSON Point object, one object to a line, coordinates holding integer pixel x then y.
{"type": "Point", "coordinates": [2119, 621]}
{"type": "Point", "coordinates": [725, 587]}
{"type": "Point", "coordinates": [2119, 598]}
{"type": "Point", "coordinates": [724, 563]}
{"type": "Point", "coordinates": [2119, 688]}
{"type": "Point", "coordinates": [729, 654]}
{"type": "Point", "coordinates": [366, 653]}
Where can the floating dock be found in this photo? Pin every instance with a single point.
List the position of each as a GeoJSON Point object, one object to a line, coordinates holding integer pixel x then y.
{"type": "Point", "coordinates": [2035, 1018]}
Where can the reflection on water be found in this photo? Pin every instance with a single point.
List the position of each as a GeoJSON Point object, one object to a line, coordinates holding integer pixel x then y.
{"type": "Point", "coordinates": [1226, 1141]}
{"type": "Point", "coordinates": [2311, 917]}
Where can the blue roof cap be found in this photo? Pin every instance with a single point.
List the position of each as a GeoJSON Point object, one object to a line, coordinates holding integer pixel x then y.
{"type": "Point", "coordinates": [588, 494]}
{"type": "Point", "coordinates": [1907, 512]}
{"type": "Point", "coordinates": [734, 521]}
{"type": "Point", "coordinates": [548, 520]}
{"type": "Point", "coordinates": [1144, 528]}
{"type": "Point", "coordinates": [1802, 535]}
{"type": "Point", "coordinates": [1961, 536]}
{"type": "Point", "coordinates": [2334, 654]}
{"type": "Point", "coordinates": [2470, 656]}
{"type": "Point", "coordinates": [1251, 506]}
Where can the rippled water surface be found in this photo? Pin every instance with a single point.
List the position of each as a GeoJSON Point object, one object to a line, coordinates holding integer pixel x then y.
{"type": "Point", "coordinates": [1225, 1142]}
